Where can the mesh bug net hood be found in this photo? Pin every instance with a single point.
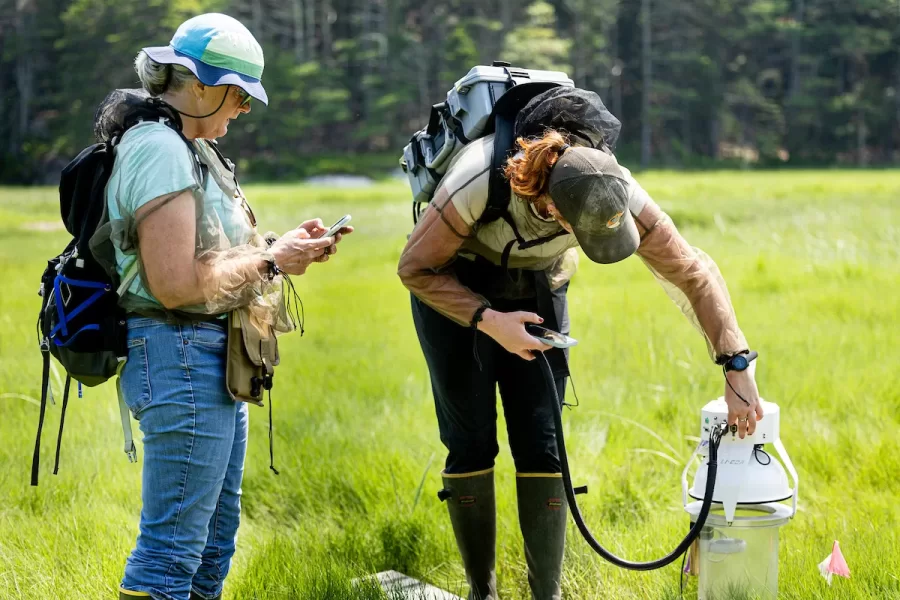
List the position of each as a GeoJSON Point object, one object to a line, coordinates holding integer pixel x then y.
{"type": "Point", "coordinates": [121, 109]}
{"type": "Point", "coordinates": [573, 111]}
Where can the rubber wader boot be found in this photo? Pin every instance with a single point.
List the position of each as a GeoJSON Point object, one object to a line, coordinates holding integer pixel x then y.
{"type": "Point", "coordinates": [470, 501]}
{"type": "Point", "coordinates": [543, 512]}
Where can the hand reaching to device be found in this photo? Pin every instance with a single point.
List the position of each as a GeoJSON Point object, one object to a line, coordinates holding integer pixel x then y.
{"type": "Point", "coordinates": [336, 232]}
{"type": "Point", "coordinates": [296, 249]}
{"type": "Point", "coordinates": [314, 227]}
{"type": "Point", "coordinates": [508, 330]}
{"type": "Point", "coordinates": [742, 397]}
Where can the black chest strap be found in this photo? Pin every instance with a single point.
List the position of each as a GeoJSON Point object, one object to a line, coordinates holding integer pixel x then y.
{"type": "Point", "coordinates": [523, 244]}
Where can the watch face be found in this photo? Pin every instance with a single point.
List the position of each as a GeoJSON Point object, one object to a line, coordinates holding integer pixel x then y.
{"type": "Point", "coordinates": [739, 363]}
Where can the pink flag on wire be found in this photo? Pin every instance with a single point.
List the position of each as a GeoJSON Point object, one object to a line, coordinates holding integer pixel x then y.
{"type": "Point", "coordinates": [834, 564]}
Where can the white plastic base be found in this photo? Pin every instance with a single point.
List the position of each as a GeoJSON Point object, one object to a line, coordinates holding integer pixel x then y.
{"type": "Point", "coordinates": [743, 476]}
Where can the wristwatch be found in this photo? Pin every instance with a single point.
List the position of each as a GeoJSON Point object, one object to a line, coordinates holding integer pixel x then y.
{"type": "Point", "coordinates": [738, 362]}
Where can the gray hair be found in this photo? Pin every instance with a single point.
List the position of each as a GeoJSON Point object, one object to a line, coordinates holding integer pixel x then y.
{"type": "Point", "coordinates": [158, 78]}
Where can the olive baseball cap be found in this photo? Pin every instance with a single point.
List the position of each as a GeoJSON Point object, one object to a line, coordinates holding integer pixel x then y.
{"type": "Point", "coordinates": [591, 192]}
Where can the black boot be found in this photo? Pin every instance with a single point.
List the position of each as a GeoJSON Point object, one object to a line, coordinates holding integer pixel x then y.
{"type": "Point", "coordinates": [543, 511]}
{"type": "Point", "coordinates": [470, 501]}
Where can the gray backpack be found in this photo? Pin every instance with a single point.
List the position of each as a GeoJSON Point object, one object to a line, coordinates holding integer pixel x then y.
{"type": "Point", "coordinates": [485, 101]}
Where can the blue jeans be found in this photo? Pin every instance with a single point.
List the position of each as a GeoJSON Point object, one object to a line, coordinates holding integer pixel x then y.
{"type": "Point", "coordinates": [195, 439]}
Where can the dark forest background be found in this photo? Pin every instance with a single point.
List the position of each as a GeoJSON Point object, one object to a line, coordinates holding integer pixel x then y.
{"type": "Point", "coordinates": [698, 83]}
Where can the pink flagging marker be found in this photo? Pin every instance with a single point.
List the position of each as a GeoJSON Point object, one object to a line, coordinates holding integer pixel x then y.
{"type": "Point", "coordinates": [834, 564]}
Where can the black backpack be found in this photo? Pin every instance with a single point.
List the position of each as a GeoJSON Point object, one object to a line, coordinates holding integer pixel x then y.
{"type": "Point", "coordinates": [80, 322]}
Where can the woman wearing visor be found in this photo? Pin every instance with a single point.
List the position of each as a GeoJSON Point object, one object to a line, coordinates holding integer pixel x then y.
{"type": "Point", "coordinates": [180, 217]}
{"type": "Point", "coordinates": [475, 286]}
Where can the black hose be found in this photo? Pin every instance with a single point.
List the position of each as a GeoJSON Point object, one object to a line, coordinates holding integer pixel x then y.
{"type": "Point", "coordinates": [714, 437]}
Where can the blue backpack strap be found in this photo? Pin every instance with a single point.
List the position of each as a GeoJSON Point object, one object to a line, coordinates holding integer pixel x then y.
{"type": "Point", "coordinates": [62, 326]}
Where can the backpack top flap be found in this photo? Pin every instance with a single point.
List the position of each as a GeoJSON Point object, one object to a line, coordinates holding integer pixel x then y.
{"type": "Point", "coordinates": [82, 181]}
{"type": "Point", "coordinates": [577, 112]}
{"type": "Point", "coordinates": [516, 99]}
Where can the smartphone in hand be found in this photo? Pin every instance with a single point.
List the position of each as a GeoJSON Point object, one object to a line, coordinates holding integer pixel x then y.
{"type": "Point", "coordinates": [336, 228]}
{"type": "Point", "coordinates": [550, 337]}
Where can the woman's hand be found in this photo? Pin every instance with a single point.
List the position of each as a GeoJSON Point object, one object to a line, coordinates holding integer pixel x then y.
{"type": "Point", "coordinates": [739, 412]}
{"type": "Point", "coordinates": [508, 330]}
{"type": "Point", "coordinates": [316, 229]}
{"type": "Point", "coordinates": [296, 249]}
{"type": "Point", "coordinates": [332, 249]}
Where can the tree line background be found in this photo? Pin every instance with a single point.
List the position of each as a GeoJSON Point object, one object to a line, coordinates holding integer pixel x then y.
{"type": "Point", "coordinates": [696, 83]}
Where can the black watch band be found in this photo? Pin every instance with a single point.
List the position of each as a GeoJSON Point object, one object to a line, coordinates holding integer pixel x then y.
{"type": "Point", "coordinates": [478, 316]}
{"type": "Point", "coordinates": [739, 362]}
{"type": "Point", "coordinates": [721, 359]}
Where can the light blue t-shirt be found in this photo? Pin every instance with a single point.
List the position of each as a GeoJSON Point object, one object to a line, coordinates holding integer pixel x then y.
{"type": "Point", "coordinates": [153, 161]}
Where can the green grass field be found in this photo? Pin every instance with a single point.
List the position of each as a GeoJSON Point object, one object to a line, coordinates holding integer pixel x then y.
{"type": "Point", "coordinates": [811, 259]}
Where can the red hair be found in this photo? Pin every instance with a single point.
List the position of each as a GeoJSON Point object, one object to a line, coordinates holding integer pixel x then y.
{"type": "Point", "coordinates": [529, 173]}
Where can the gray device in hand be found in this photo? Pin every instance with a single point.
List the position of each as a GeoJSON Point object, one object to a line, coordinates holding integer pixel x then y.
{"type": "Point", "coordinates": [336, 228]}
{"type": "Point", "coordinates": [550, 337]}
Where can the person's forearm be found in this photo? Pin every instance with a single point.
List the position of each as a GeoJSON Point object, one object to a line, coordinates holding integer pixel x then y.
{"type": "Point", "coordinates": [705, 297]}
{"type": "Point", "coordinates": [432, 246]}
{"type": "Point", "coordinates": [181, 277]}
{"type": "Point", "coordinates": [443, 292]}
{"type": "Point", "coordinates": [715, 312]}
{"type": "Point", "coordinates": [220, 281]}
{"type": "Point", "coordinates": [236, 279]}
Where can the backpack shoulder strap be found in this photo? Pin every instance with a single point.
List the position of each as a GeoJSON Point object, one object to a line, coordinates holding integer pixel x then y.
{"type": "Point", "coordinates": [229, 164]}
{"type": "Point", "coordinates": [225, 161]}
{"type": "Point", "coordinates": [154, 109]}
{"type": "Point", "coordinates": [200, 169]}
{"type": "Point", "coordinates": [504, 120]}
{"type": "Point", "coordinates": [498, 187]}
{"type": "Point", "coordinates": [523, 244]}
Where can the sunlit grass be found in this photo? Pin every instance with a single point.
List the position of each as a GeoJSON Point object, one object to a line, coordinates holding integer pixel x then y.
{"type": "Point", "coordinates": [811, 259]}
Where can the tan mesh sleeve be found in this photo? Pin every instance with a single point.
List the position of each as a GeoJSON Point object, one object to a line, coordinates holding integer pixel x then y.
{"type": "Point", "coordinates": [432, 246]}
{"type": "Point", "coordinates": [691, 279]}
{"type": "Point", "coordinates": [232, 278]}
{"type": "Point", "coordinates": [226, 276]}
{"type": "Point", "coordinates": [637, 195]}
